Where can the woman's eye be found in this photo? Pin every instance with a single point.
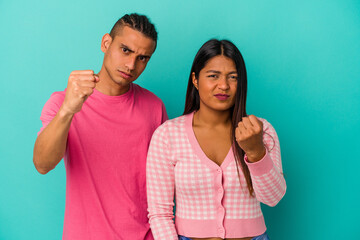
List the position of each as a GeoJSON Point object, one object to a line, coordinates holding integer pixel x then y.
{"type": "Point", "coordinates": [212, 76]}
{"type": "Point", "coordinates": [235, 78]}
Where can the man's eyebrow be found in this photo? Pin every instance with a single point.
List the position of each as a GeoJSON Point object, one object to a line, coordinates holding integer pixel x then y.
{"type": "Point", "coordinates": [132, 51]}
{"type": "Point", "coordinates": [145, 56]}
{"type": "Point", "coordinates": [124, 46]}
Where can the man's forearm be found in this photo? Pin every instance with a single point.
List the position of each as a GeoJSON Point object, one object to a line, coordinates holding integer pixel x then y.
{"type": "Point", "coordinates": [50, 145]}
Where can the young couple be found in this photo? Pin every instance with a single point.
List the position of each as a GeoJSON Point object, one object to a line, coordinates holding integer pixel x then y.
{"type": "Point", "coordinates": [123, 170]}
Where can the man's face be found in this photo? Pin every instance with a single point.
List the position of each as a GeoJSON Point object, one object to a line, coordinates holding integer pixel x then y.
{"type": "Point", "coordinates": [126, 55]}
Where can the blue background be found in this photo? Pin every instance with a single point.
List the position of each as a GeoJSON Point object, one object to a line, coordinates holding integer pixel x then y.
{"type": "Point", "coordinates": [303, 68]}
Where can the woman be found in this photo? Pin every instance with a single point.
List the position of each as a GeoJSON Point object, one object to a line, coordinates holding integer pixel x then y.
{"type": "Point", "coordinates": [218, 162]}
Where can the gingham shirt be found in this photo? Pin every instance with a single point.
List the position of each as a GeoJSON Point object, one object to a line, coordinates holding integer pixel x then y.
{"type": "Point", "coordinates": [210, 200]}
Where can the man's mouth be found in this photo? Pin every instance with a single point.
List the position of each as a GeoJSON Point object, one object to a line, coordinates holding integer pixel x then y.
{"type": "Point", "coordinates": [125, 75]}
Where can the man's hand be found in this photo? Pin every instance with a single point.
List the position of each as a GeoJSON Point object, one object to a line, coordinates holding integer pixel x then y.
{"type": "Point", "coordinates": [249, 136]}
{"type": "Point", "coordinates": [80, 86]}
{"type": "Point", "coordinates": [50, 145]}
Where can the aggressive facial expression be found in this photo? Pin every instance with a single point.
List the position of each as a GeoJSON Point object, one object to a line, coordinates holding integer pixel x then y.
{"type": "Point", "coordinates": [126, 55]}
{"type": "Point", "coordinates": [217, 83]}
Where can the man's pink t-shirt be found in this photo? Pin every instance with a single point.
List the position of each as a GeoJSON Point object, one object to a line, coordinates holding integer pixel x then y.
{"type": "Point", "coordinates": [105, 163]}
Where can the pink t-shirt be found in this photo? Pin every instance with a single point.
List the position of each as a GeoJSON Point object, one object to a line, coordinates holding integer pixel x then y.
{"type": "Point", "coordinates": [105, 164]}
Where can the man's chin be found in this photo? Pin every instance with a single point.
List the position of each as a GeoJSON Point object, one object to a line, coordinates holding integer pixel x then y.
{"type": "Point", "coordinates": [123, 82]}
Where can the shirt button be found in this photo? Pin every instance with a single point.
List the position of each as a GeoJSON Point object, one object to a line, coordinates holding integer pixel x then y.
{"type": "Point", "coordinates": [219, 190]}
{"type": "Point", "coordinates": [219, 170]}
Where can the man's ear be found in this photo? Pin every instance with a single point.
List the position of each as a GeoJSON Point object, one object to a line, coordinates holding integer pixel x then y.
{"type": "Point", "coordinates": [105, 42]}
{"type": "Point", "coordinates": [194, 80]}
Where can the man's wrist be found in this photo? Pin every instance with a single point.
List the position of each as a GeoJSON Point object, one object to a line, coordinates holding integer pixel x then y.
{"type": "Point", "coordinates": [65, 114]}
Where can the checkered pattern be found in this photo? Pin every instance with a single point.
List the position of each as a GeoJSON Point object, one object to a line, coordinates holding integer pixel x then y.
{"type": "Point", "coordinates": [238, 203]}
{"type": "Point", "coordinates": [270, 187]}
{"type": "Point", "coordinates": [174, 169]}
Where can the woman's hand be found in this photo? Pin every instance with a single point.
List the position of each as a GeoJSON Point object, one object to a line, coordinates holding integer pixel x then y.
{"type": "Point", "coordinates": [249, 136]}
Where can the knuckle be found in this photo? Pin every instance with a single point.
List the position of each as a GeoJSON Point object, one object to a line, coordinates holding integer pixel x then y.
{"type": "Point", "coordinates": [71, 77]}
{"type": "Point", "coordinates": [75, 84]}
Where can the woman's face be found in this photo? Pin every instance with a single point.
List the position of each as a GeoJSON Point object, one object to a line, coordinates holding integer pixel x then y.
{"type": "Point", "coordinates": [217, 83]}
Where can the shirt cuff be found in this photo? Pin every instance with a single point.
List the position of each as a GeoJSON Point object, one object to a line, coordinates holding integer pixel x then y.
{"type": "Point", "coordinates": [260, 167]}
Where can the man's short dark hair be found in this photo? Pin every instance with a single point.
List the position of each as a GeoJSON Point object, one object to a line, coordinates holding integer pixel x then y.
{"type": "Point", "coordinates": [137, 22]}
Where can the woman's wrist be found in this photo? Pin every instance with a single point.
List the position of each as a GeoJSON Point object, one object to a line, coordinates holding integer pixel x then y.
{"type": "Point", "coordinates": [256, 155]}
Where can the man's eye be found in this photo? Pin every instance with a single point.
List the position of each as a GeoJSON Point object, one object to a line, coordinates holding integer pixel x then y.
{"type": "Point", "coordinates": [125, 50]}
{"type": "Point", "coordinates": [142, 58]}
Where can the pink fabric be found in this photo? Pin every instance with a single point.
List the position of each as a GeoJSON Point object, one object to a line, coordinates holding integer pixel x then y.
{"type": "Point", "coordinates": [105, 164]}
{"type": "Point", "coordinates": [210, 200]}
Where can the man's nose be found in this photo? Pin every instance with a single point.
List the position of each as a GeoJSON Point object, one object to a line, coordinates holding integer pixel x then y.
{"type": "Point", "coordinates": [131, 63]}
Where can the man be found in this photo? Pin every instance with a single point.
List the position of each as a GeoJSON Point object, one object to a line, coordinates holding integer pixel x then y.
{"type": "Point", "coordinates": [102, 125]}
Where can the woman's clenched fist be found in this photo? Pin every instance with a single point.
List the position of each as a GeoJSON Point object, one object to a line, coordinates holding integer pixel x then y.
{"type": "Point", "coordinates": [249, 136]}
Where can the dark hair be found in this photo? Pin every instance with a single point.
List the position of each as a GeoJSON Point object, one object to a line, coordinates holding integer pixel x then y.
{"type": "Point", "coordinates": [137, 22]}
{"type": "Point", "coordinates": [210, 49]}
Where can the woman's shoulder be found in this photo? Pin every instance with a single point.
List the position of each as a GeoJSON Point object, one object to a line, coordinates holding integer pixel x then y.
{"type": "Point", "coordinates": [266, 124]}
{"type": "Point", "coordinates": [270, 136]}
{"type": "Point", "coordinates": [174, 124]}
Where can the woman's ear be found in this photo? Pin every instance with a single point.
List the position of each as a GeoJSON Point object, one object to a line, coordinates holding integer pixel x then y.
{"type": "Point", "coordinates": [194, 80]}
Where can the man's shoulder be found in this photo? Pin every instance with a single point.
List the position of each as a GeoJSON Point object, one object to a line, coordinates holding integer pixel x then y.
{"type": "Point", "coordinates": [56, 99]}
{"type": "Point", "coordinates": [145, 93]}
{"type": "Point", "coordinates": [58, 95]}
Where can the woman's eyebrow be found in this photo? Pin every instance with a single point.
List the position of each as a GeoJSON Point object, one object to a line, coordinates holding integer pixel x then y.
{"type": "Point", "coordinates": [214, 71]}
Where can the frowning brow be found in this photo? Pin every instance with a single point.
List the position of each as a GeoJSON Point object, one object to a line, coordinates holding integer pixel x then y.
{"type": "Point", "coordinates": [132, 51]}
{"type": "Point", "coordinates": [124, 46]}
{"type": "Point", "coordinates": [218, 72]}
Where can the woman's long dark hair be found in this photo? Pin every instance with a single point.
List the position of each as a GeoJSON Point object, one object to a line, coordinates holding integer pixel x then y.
{"type": "Point", "coordinates": [210, 49]}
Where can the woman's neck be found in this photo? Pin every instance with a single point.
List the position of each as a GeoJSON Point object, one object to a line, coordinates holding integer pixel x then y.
{"type": "Point", "coordinates": [211, 118]}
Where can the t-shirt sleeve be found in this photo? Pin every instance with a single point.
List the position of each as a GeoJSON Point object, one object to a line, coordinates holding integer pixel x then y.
{"type": "Point", "coordinates": [164, 114]}
{"type": "Point", "coordinates": [50, 109]}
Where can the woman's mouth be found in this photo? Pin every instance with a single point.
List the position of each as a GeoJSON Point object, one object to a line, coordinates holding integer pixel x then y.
{"type": "Point", "coordinates": [222, 97]}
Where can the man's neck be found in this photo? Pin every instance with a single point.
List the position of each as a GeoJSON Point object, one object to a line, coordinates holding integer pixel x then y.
{"type": "Point", "coordinates": [108, 87]}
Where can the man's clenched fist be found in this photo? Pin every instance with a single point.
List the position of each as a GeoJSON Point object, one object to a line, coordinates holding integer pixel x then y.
{"type": "Point", "coordinates": [80, 86]}
{"type": "Point", "coordinates": [249, 136]}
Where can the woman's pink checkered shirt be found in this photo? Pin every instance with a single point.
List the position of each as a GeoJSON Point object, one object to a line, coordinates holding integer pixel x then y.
{"type": "Point", "coordinates": [210, 200]}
